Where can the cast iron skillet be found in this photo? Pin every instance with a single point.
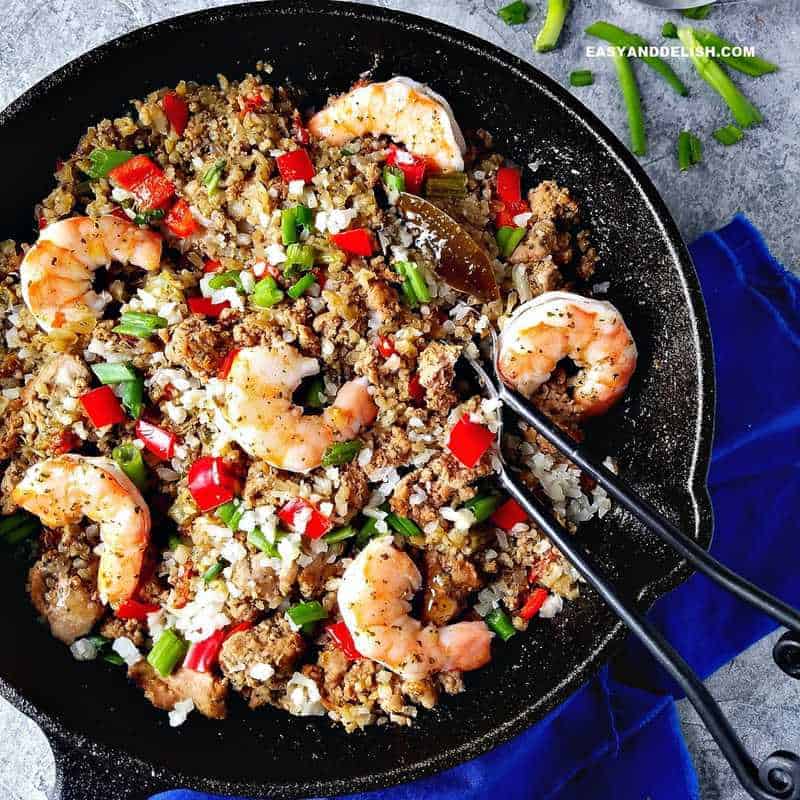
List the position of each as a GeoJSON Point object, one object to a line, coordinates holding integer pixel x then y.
{"type": "Point", "coordinates": [109, 741]}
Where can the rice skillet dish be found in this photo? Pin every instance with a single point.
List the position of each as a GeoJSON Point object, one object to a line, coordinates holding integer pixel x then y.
{"type": "Point", "coordinates": [241, 447]}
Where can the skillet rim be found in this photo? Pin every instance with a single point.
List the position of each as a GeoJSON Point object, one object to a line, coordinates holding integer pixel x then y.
{"type": "Point", "coordinates": [64, 740]}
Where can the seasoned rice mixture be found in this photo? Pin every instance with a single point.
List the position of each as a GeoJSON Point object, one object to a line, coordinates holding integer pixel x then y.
{"type": "Point", "coordinates": [232, 585]}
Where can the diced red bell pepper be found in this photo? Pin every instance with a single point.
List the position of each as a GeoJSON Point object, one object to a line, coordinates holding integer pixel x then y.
{"type": "Point", "coordinates": [416, 389]}
{"type": "Point", "coordinates": [211, 482]}
{"type": "Point", "coordinates": [155, 191]}
{"type": "Point", "coordinates": [132, 172]}
{"type": "Point", "coordinates": [179, 219]}
{"type": "Point", "coordinates": [42, 223]}
{"type": "Point", "coordinates": [227, 363]}
{"type": "Point", "coordinates": [295, 166]}
{"type": "Point", "coordinates": [469, 441]}
{"type": "Point", "coordinates": [319, 276]}
{"type": "Point", "coordinates": [238, 628]}
{"type": "Point", "coordinates": [305, 518]}
{"type": "Point", "coordinates": [299, 130]}
{"type": "Point", "coordinates": [135, 609]}
{"type": "Point", "coordinates": [385, 346]}
{"type": "Point", "coordinates": [67, 442]}
{"type": "Point", "coordinates": [253, 102]}
{"type": "Point", "coordinates": [177, 111]}
{"type": "Point", "coordinates": [103, 407]}
{"type": "Point", "coordinates": [509, 185]}
{"type": "Point", "coordinates": [509, 514]}
{"type": "Point", "coordinates": [413, 167]}
{"type": "Point", "coordinates": [203, 656]}
{"type": "Point", "coordinates": [206, 306]}
{"type": "Point", "coordinates": [505, 213]}
{"type": "Point", "coordinates": [357, 242]}
{"type": "Point", "coordinates": [212, 265]}
{"type": "Point", "coordinates": [343, 639]}
{"type": "Point", "coordinates": [158, 441]}
{"type": "Point", "coordinates": [534, 602]}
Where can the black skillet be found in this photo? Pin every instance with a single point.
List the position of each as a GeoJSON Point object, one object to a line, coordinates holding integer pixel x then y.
{"type": "Point", "coordinates": [108, 741]}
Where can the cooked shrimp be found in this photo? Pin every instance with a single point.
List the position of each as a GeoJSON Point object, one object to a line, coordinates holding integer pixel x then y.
{"type": "Point", "coordinates": [258, 410]}
{"type": "Point", "coordinates": [374, 600]}
{"type": "Point", "coordinates": [56, 273]}
{"type": "Point", "coordinates": [64, 489]}
{"type": "Point", "coordinates": [558, 325]}
{"type": "Point", "coordinates": [408, 111]}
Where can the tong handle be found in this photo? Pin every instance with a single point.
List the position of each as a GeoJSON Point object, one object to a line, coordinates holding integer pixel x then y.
{"type": "Point", "coordinates": [778, 776]}
{"type": "Point", "coordinates": [787, 656]}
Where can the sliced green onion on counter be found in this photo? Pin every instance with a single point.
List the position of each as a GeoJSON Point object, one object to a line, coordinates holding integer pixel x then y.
{"type": "Point", "coordinates": [699, 12]}
{"type": "Point", "coordinates": [129, 458]}
{"type": "Point", "coordinates": [696, 147]}
{"type": "Point", "coordinates": [298, 289]}
{"type": "Point", "coordinates": [515, 13]}
{"type": "Point", "coordinates": [104, 160]}
{"type": "Point", "coordinates": [299, 258]}
{"type": "Point", "coordinates": [267, 293]}
{"type": "Point", "coordinates": [315, 396]}
{"type": "Point", "coordinates": [340, 453]}
{"type": "Point", "coordinates": [394, 179]}
{"type": "Point", "coordinates": [753, 66]}
{"type": "Point", "coordinates": [728, 135]}
{"type": "Point", "coordinates": [690, 150]}
{"type": "Point", "coordinates": [289, 225]}
{"type": "Point", "coordinates": [483, 506]}
{"type": "Point", "coordinates": [340, 534]}
{"type": "Point", "coordinates": [508, 238]}
{"type": "Point", "coordinates": [227, 280]}
{"type": "Point", "coordinates": [214, 570]}
{"type": "Point", "coordinates": [547, 39]}
{"type": "Point", "coordinates": [167, 652]}
{"type": "Point", "coordinates": [670, 30]}
{"type": "Point", "coordinates": [633, 103]}
{"type": "Point", "coordinates": [581, 77]}
{"type": "Point", "coordinates": [304, 613]}
{"type": "Point", "coordinates": [139, 324]}
{"type": "Point", "coordinates": [114, 373]}
{"type": "Point", "coordinates": [451, 184]}
{"type": "Point", "coordinates": [133, 396]}
{"type": "Point", "coordinates": [403, 525]}
{"type": "Point", "coordinates": [231, 513]}
{"type": "Point", "coordinates": [500, 623]}
{"type": "Point", "coordinates": [260, 542]}
{"type": "Point", "coordinates": [212, 175]}
{"type": "Point", "coordinates": [18, 526]}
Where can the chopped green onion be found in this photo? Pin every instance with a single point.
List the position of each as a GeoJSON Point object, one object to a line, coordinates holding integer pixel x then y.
{"type": "Point", "coordinates": [133, 396]}
{"type": "Point", "coordinates": [302, 215]}
{"type": "Point", "coordinates": [728, 135]}
{"type": "Point", "coordinates": [148, 217]}
{"type": "Point", "coordinates": [581, 77]}
{"type": "Point", "coordinates": [690, 150]}
{"type": "Point", "coordinates": [289, 225]}
{"type": "Point", "coordinates": [500, 623]}
{"type": "Point", "coordinates": [622, 38]}
{"type": "Point", "coordinates": [260, 542]}
{"type": "Point", "coordinates": [394, 178]}
{"type": "Point", "coordinates": [411, 272]}
{"type": "Point", "coordinates": [700, 12]}
{"type": "Point", "coordinates": [114, 658]}
{"type": "Point", "coordinates": [340, 453]}
{"type": "Point", "coordinates": [266, 293]}
{"type": "Point", "coordinates": [633, 103]}
{"type": "Point", "coordinates": [553, 23]}
{"type": "Point", "coordinates": [340, 534]}
{"type": "Point", "coordinates": [114, 373]}
{"type": "Point", "coordinates": [18, 526]}
{"type": "Point", "coordinates": [670, 30]}
{"type": "Point", "coordinates": [231, 513]}
{"type": "Point", "coordinates": [98, 642]}
{"type": "Point", "coordinates": [226, 280]}
{"type": "Point", "coordinates": [315, 396]}
{"type": "Point", "coordinates": [299, 258]}
{"type": "Point", "coordinates": [483, 506]}
{"type": "Point", "coordinates": [753, 66]}
{"type": "Point", "coordinates": [129, 458]}
{"type": "Point", "coordinates": [298, 289]}
{"type": "Point", "coordinates": [303, 613]}
{"type": "Point", "coordinates": [135, 323]}
{"type": "Point", "coordinates": [104, 160]}
{"type": "Point", "coordinates": [213, 174]}
{"type": "Point", "coordinates": [452, 184]}
{"type": "Point", "coordinates": [697, 149]}
{"type": "Point", "coordinates": [403, 525]}
{"type": "Point", "coordinates": [367, 532]}
{"type": "Point", "coordinates": [174, 541]}
{"type": "Point", "coordinates": [167, 652]}
{"type": "Point", "coordinates": [515, 13]}
{"type": "Point", "coordinates": [508, 238]}
{"type": "Point", "coordinates": [744, 112]}
{"type": "Point", "coordinates": [214, 570]}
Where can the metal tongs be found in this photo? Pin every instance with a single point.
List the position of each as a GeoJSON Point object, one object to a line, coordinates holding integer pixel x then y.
{"type": "Point", "coordinates": [778, 776]}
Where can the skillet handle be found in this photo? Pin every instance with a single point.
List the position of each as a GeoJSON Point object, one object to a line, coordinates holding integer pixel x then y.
{"type": "Point", "coordinates": [85, 775]}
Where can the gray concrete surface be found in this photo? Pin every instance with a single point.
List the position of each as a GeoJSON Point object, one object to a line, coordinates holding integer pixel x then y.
{"type": "Point", "coordinates": [762, 179]}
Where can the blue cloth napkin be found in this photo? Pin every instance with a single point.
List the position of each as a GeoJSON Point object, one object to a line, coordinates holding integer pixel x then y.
{"type": "Point", "coordinates": [618, 736]}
